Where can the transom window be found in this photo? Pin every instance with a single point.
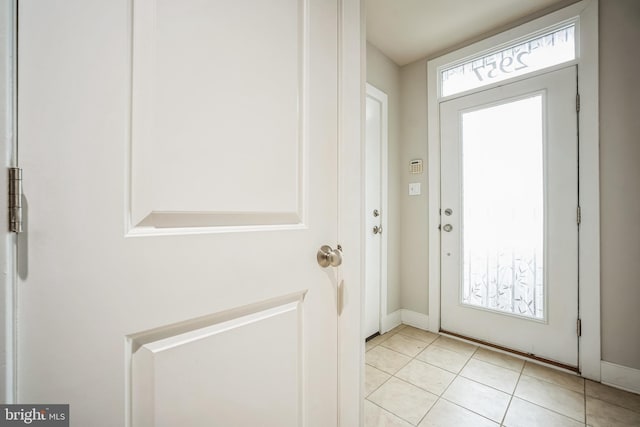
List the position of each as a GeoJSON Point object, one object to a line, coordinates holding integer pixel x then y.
{"type": "Point", "coordinates": [535, 53]}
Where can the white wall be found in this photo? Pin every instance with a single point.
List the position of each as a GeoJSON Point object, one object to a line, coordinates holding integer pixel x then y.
{"type": "Point", "coordinates": [384, 74]}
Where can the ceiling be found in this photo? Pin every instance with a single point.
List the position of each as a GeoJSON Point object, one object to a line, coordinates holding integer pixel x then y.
{"type": "Point", "coordinates": [408, 30]}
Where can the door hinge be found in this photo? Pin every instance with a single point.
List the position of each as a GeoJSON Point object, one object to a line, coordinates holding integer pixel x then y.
{"type": "Point", "coordinates": [579, 327]}
{"type": "Point", "coordinates": [579, 215]}
{"type": "Point", "coordinates": [15, 200]}
{"type": "Point", "coordinates": [577, 102]}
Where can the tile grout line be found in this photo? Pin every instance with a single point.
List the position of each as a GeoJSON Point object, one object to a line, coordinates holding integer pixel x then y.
{"type": "Point", "coordinates": [440, 396]}
{"type": "Point", "coordinates": [513, 393]}
{"type": "Point", "coordinates": [584, 389]}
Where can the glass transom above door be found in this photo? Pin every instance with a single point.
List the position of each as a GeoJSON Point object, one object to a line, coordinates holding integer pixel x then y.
{"type": "Point", "coordinates": [503, 207]}
{"type": "Point", "coordinates": [522, 57]}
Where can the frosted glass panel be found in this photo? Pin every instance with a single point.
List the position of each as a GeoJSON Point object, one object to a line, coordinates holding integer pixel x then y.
{"type": "Point", "coordinates": [534, 54]}
{"type": "Point", "coordinates": [503, 208]}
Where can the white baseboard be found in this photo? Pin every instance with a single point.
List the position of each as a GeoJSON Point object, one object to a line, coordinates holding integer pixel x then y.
{"type": "Point", "coordinates": [415, 319]}
{"type": "Point", "coordinates": [621, 377]}
{"type": "Point", "coordinates": [404, 317]}
{"type": "Point", "coordinates": [390, 321]}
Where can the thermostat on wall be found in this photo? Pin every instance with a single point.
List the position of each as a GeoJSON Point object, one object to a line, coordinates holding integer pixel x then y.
{"type": "Point", "coordinates": [415, 166]}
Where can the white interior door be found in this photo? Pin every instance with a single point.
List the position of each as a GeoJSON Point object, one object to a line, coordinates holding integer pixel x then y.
{"type": "Point", "coordinates": [375, 208]}
{"type": "Point", "coordinates": [181, 162]}
{"type": "Point", "coordinates": [509, 216]}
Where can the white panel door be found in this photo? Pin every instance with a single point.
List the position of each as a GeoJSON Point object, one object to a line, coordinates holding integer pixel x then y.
{"type": "Point", "coordinates": [509, 216]}
{"type": "Point", "coordinates": [182, 174]}
{"type": "Point", "coordinates": [375, 208]}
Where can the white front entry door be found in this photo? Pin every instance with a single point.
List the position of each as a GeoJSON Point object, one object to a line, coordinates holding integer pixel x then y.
{"type": "Point", "coordinates": [181, 160]}
{"type": "Point", "coordinates": [509, 216]}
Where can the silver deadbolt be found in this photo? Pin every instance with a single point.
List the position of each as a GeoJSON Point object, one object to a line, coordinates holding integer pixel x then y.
{"type": "Point", "coordinates": [448, 212]}
{"type": "Point", "coordinates": [377, 229]}
{"type": "Point", "coordinates": [447, 227]}
{"type": "Point", "coordinates": [329, 257]}
{"type": "Point", "coordinates": [376, 213]}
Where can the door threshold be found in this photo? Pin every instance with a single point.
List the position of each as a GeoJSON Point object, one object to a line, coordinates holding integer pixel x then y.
{"type": "Point", "coordinates": [524, 355]}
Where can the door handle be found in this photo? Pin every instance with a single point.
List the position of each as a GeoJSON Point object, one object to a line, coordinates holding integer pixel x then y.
{"type": "Point", "coordinates": [329, 257]}
{"type": "Point", "coordinates": [377, 229]}
{"type": "Point", "coordinates": [447, 227]}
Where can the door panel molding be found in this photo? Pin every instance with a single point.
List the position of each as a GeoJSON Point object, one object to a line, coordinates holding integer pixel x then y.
{"type": "Point", "coordinates": [224, 345]}
{"type": "Point", "coordinates": [176, 141]}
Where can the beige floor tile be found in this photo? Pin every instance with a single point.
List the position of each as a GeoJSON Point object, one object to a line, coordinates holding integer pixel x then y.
{"type": "Point", "coordinates": [443, 358]}
{"type": "Point", "coordinates": [495, 376]}
{"type": "Point", "coordinates": [478, 398]}
{"type": "Point", "coordinates": [396, 329]}
{"type": "Point", "coordinates": [403, 400]}
{"type": "Point", "coordinates": [375, 416]}
{"type": "Point", "coordinates": [373, 378]}
{"type": "Point", "coordinates": [551, 396]}
{"type": "Point", "coordinates": [426, 376]}
{"type": "Point", "coordinates": [613, 395]}
{"type": "Point", "coordinates": [446, 414]}
{"type": "Point", "coordinates": [404, 344]}
{"type": "Point", "coordinates": [455, 345]}
{"type": "Point", "coordinates": [563, 379]}
{"type": "Point", "coordinates": [386, 360]}
{"type": "Point", "coordinates": [603, 414]}
{"type": "Point", "coordinates": [377, 341]}
{"type": "Point", "coordinates": [499, 359]}
{"type": "Point", "coordinates": [525, 414]}
{"type": "Point", "coordinates": [419, 334]}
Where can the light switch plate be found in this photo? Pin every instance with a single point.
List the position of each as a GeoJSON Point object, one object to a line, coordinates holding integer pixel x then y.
{"type": "Point", "coordinates": [414, 189]}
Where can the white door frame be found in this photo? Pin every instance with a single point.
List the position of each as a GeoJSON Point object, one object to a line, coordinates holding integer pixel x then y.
{"type": "Point", "coordinates": [351, 48]}
{"type": "Point", "coordinates": [351, 110]}
{"type": "Point", "coordinates": [8, 158]}
{"type": "Point", "coordinates": [382, 98]}
{"type": "Point", "coordinates": [586, 12]}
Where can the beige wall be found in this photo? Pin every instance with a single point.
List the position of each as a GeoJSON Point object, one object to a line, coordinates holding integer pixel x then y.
{"type": "Point", "coordinates": [414, 210]}
{"type": "Point", "coordinates": [620, 180]}
{"type": "Point", "coordinates": [384, 74]}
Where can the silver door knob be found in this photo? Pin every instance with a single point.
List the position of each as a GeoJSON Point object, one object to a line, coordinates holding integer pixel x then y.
{"type": "Point", "coordinates": [447, 227]}
{"type": "Point", "coordinates": [329, 257]}
{"type": "Point", "coordinates": [377, 229]}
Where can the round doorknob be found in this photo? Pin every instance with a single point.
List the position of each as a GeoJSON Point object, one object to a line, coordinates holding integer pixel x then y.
{"type": "Point", "coordinates": [447, 227]}
{"type": "Point", "coordinates": [329, 257]}
{"type": "Point", "coordinates": [377, 229]}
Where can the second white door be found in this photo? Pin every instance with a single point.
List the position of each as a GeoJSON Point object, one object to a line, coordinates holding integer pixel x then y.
{"type": "Point", "coordinates": [375, 209]}
{"type": "Point", "coordinates": [509, 216]}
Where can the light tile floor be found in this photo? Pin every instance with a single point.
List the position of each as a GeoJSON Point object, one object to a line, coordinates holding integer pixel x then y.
{"type": "Point", "coordinates": [417, 378]}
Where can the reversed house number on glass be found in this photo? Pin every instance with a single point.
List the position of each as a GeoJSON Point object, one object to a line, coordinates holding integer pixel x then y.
{"type": "Point", "coordinates": [534, 54]}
